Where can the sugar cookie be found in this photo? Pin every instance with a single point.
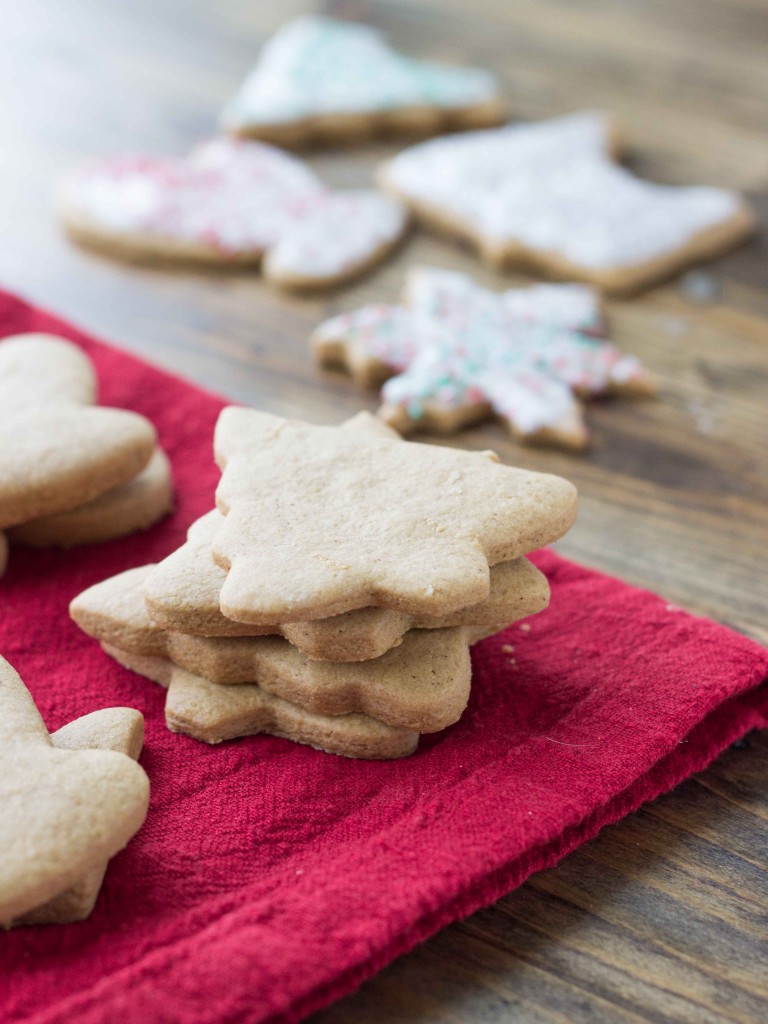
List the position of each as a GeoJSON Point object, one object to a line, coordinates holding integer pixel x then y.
{"type": "Point", "coordinates": [182, 594]}
{"type": "Point", "coordinates": [547, 197]}
{"type": "Point", "coordinates": [422, 684]}
{"type": "Point", "coordinates": [231, 202]}
{"type": "Point", "coordinates": [324, 520]}
{"type": "Point", "coordinates": [57, 450]}
{"type": "Point", "coordinates": [125, 509]}
{"type": "Point", "coordinates": [212, 713]}
{"type": "Point", "coordinates": [318, 79]}
{"type": "Point", "coordinates": [118, 729]}
{"type": "Point", "coordinates": [64, 811]}
{"type": "Point", "coordinates": [456, 352]}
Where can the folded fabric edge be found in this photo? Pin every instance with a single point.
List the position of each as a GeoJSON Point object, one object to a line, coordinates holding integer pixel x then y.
{"type": "Point", "coordinates": [726, 724]}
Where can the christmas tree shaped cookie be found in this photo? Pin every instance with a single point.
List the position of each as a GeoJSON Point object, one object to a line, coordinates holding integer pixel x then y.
{"type": "Point", "coordinates": [336, 81]}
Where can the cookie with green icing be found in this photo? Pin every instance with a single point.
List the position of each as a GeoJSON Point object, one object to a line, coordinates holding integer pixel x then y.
{"type": "Point", "coordinates": [319, 79]}
{"type": "Point", "coordinates": [455, 353]}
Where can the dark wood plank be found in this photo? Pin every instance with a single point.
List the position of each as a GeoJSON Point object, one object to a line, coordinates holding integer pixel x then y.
{"type": "Point", "coordinates": [663, 917]}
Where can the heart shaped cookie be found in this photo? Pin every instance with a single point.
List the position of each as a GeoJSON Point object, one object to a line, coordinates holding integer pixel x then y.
{"type": "Point", "coordinates": [57, 451]}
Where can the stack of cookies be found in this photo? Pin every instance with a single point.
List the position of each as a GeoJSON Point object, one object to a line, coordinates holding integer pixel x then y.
{"type": "Point", "coordinates": [71, 472]}
{"type": "Point", "coordinates": [333, 595]}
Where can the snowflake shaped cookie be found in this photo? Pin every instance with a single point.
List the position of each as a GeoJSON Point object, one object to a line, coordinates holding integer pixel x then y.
{"type": "Point", "coordinates": [319, 78]}
{"type": "Point", "coordinates": [234, 202]}
{"type": "Point", "coordinates": [456, 352]}
{"type": "Point", "coordinates": [548, 196]}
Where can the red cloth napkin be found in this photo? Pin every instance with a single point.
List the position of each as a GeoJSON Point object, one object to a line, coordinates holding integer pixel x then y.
{"type": "Point", "coordinates": [270, 879]}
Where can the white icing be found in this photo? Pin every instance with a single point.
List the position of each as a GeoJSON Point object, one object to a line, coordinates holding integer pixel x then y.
{"type": "Point", "coordinates": [239, 197]}
{"type": "Point", "coordinates": [343, 230]}
{"type": "Point", "coordinates": [315, 65]}
{"type": "Point", "coordinates": [456, 344]}
{"type": "Point", "coordinates": [552, 188]}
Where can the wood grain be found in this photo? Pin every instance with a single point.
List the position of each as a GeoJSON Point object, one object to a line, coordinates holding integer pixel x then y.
{"type": "Point", "coordinates": [664, 917]}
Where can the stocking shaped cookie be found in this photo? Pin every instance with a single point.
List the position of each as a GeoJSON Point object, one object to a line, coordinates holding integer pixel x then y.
{"type": "Point", "coordinates": [455, 352]}
{"type": "Point", "coordinates": [231, 202]}
{"type": "Point", "coordinates": [548, 196]}
{"type": "Point", "coordinates": [63, 812]}
{"type": "Point", "coordinates": [323, 520]}
{"type": "Point", "coordinates": [318, 78]}
{"type": "Point", "coordinates": [56, 450]}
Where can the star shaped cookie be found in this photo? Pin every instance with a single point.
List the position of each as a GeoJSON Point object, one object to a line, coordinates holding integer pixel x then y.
{"type": "Point", "coordinates": [213, 713]}
{"type": "Point", "coordinates": [182, 595]}
{"type": "Point", "coordinates": [422, 684]}
{"type": "Point", "coordinates": [324, 520]}
{"type": "Point", "coordinates": [456, 352]}
{"type": "Point", "coordinates": [319, 78]}
{"type": "Point", "coordinates": [230, 202]}
{"type": "Point", "coordinates": [548, 197]}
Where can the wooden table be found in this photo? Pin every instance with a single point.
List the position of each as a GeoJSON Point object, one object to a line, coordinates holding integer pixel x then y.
{"type": "Point", "coordinates": [663, 917]}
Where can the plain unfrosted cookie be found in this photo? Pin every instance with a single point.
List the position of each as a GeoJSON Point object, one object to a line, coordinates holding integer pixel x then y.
{"type": "Point", "coordinates": [63, 812]}
{"type": "Point", "coordinates": [318, 79]}
{"type": "Point", "coordinates": [423, 684]}
{"type": "Point", "coordinates": [455, 353]}
{"type": "Point", "coordinates": [117, 729]}
{"type": "Point", "coordinates": [125, 509]}
{"type": "Point", "coordinates": [57, 450]}
{"type": "Point", "coordinates": [547, 197]}
{"type": "Point", "coordinates": [182, 594]}
{"type": "Point", "coordinates": [324, 520]}
{"type": "Point", "coordinates": [213, 713]}
{"type": "Point", "coordinates": [231, 202]}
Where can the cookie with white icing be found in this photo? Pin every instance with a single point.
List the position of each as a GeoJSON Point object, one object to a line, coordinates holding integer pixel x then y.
{"type": "Point", "coordinates": [455, 353]}
{"type": "Point", "coordinates": [547, 197]}
{"type": "Point", "coordinates": [230, 202]}
{"type": "Point", "coordinates": [319, 79]}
